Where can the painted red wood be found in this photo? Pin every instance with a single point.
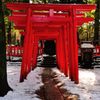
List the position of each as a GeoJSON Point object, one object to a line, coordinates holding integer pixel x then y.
{"type": "Point", "coordinates": [50, 22]}
{"type": "Point", "coordinates": [97, 48]}
{"type": "Point", "coordinates": [15, 51]}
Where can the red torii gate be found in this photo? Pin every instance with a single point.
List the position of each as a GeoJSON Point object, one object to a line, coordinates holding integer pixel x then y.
{"type": "Point", "coordinates": [57, 22]}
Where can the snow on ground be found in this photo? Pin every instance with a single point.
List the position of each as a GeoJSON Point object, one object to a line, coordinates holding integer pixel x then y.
{"type": "Point", "coordinates": [87, 89]}
{"type": "Point", "coordinates": [25, 90]}
{"type": "Point", "coordinates": [89, 86]}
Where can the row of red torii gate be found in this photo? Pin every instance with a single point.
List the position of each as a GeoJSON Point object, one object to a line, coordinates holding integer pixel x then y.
{"type": "Point", "coordinates": [58, 22]}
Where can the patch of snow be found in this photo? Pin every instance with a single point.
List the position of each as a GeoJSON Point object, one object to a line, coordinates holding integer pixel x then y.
{"type": "Point", "coordinates": [25, 90]}
{"type": "Point", "coordinates": [87, 89]}
{"type": "Point", "coordinates": [89, 86]}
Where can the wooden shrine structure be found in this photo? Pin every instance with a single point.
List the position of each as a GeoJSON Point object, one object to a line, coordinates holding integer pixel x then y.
{"type": "Point", "coordinates": [56, 22]}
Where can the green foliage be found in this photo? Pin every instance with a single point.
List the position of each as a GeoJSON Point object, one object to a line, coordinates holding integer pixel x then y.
{"type": "Point", "coordinates": [90, 14]}
{"type": "Point", "coordinates": [86, 32]}
{"type": "Point", "coordinates": [90, 1]}
{"type": "Point", "coordinates": [6, 23]}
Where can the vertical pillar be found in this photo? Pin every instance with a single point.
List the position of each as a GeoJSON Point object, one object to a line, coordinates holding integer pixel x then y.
{"type": "Point", "coordinates": [69, 46]}
{"type": "Point", "coordinates": [35, 52]}
{"type": "Point", "coordinates": [71, 49]}
{"type": "Point", "coordinates": [59, 58]}
{"type": "Point", "coordinates": [62, 50]}
{"type": "Point", "coordinates": [25, 58]}
{"type": "Point", "coordinates": [75, 46]}
{"type": "Point", "coordinates": [57, 53]}
{"type": "Point", "coordinates": [65, 43]}
{"type": "Point", "coordinates": [30, 50]}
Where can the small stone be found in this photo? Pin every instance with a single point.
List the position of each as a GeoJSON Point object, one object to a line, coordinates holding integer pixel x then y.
{"type": "Point", "coordinates": [72, 97]}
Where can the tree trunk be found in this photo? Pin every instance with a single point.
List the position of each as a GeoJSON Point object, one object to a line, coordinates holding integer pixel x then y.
{"type": "Point", "coordinates": [63, 1]}
{"type": "Point", "coordinates": [97, 24]}
{"type": "Point", "coordinates": [9, 34]}
{"type": "Point", "coordinates": [26, 1]}
{"type": "Point", "coordinates": [4, 87]}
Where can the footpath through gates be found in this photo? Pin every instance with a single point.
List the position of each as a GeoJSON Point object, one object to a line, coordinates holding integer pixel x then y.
{"type": "Point", "coordinates": [57, 22]}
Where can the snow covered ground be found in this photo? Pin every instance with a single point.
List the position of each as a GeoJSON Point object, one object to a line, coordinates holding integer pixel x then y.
{"type": "Point", "coordinates": [89, 86]}
{"type": "Point", "coordinates": [87, 89]}
{"type": "Point", "coordinates": [25, 90]}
